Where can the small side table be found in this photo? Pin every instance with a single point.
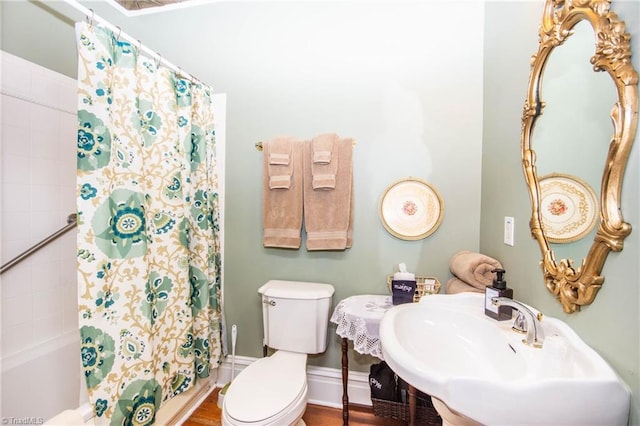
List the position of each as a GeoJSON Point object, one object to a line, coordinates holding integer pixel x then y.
{"type": "Point", "coordinates": [358, 319]}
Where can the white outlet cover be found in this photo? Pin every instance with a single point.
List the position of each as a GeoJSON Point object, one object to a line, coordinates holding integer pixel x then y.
{"type": "Point", "coordinates": [509, 225]}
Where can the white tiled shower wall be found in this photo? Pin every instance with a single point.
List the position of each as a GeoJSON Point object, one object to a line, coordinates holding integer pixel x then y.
{"type": "Point", "coordinates": [40, 363]}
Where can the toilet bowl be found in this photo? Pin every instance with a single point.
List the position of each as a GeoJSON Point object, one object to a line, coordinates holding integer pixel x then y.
{"type": "Point", "coordinates": [270, 391]}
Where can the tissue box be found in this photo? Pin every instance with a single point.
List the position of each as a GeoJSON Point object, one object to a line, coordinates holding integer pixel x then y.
{"type": "Point", "coordinates": [402, 291]}
{"type": "Point", "coordinates": [424, 286]}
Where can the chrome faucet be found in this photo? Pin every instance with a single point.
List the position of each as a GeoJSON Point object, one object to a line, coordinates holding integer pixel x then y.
{"type": "Point", "coordinates": [526, 321]}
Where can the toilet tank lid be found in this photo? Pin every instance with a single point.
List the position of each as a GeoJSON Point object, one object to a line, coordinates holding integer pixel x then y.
{"type": "Point", "coordinates": [296, 290]}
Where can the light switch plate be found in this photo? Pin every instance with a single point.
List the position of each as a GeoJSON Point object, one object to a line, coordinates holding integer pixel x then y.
{"type": "Point", "coordinates": [509, 226]}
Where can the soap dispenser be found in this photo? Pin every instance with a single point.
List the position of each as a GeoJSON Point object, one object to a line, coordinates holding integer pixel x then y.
{"type": "Point", "coordinates": [498, 289]}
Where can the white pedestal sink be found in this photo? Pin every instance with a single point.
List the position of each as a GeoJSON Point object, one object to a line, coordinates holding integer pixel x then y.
{"type": "Point", "coordinates": [479, 367]}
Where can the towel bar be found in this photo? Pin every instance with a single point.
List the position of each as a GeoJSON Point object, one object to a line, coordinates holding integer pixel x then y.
{"type": "Point", "coordinates": [72, 221]}
{"type": "Point", "coordinates": [258, 145]}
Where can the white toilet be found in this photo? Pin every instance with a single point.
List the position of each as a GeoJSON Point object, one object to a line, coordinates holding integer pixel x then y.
{"type": "Point", "coordinates": [273, 390]}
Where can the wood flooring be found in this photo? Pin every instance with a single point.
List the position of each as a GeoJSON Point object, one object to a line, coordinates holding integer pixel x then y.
{"type": "Point", "coordinates": [208, 414]}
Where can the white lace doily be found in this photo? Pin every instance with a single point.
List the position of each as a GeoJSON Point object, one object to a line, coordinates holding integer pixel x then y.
{"type": "Point", "coordinates": [358, 319]}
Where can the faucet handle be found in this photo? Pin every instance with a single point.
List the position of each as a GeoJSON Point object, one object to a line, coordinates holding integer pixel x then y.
{"type": "Point", "coordinates": [520, 323]}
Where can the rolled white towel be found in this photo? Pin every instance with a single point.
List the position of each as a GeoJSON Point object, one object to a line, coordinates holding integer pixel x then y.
{"type": "Point", "coordinates": [474, 268]}
{"type": "Point", "coordinates": [456, 285]}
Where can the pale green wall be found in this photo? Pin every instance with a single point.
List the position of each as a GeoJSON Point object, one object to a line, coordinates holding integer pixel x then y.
{"type": "Point", "coordinates": [408, 92]}
{"type": "Point", "coordinates": [39, 33]}
{"type": "Point", "coordinates": [422, 93]}
{"type": "Point", "coordinates": [611, 324]}
{"type": "Point", "coordinates": [380, 75]}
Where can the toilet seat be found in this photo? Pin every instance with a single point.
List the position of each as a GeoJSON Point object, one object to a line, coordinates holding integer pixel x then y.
{"type": "Point", "coordinates": [270, 391]}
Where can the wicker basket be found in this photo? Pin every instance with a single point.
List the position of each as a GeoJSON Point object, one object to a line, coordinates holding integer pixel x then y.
{"type": "Point", "coordinates": [426, 414]}
{"type": "Point", "coordinates": [423, 285]}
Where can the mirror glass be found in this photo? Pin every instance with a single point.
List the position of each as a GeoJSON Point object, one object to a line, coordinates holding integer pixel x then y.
{"type": "Point", "coordinates": [582, 102]}
{"type": "Point", "coordinates": [574, 122]}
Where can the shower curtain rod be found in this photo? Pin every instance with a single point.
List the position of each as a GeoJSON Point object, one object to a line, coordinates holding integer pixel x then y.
{"type": "Point", "coordinates": [92, 17]}
{"type": "Point", "coordinates": [72, 221]}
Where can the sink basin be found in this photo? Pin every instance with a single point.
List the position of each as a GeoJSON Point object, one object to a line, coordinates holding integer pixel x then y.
{"type": "Point", "coordinates": [479, 367]}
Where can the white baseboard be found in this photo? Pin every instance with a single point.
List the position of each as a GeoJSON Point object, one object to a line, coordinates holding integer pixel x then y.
{"type": "Point", "coordinates": [325, 384]}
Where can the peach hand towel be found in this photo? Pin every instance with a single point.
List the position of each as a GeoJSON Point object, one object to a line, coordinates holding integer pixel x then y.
{"type": "Point", "coordinates": [322, 147]}
{"type": "Point", "coordinates": [324, 164]}
{"type": "Point", "coordinates": [474, 268]}
{"type": "Point", "coordinates": [282, 208]}
{"type": "Point", "coordinates": [328, 213]}
{"type": "Point", "coordinates": [279, 163]}
{"type": "Point", "coordinates": [350, 229]}
{"type": "Point", "coordinates": [456, 285]}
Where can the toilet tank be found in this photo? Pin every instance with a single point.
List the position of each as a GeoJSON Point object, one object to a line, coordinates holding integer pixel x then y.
{"type": "Point", "coordinates": [295, 315]}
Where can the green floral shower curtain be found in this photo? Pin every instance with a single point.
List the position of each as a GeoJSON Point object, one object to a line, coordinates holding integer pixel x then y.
{"type": "Point", "coordinates": [148, 225]}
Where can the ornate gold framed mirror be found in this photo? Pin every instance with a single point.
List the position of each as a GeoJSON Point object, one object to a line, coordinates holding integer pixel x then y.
{"type": "Point", "coordinates": [577, 285]}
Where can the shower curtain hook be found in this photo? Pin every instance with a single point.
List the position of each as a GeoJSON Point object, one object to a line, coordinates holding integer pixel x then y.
{"type": "Point", "coordinates": [91, 19]}
{"type": "Point", "coordinates": [180, 74]}
{"type": "Point", "coordinates": [119, 32]}
{"type": "Point", "coordinates": [139, 45]}
{"type": "Point", "coordinates": [158, 60]}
